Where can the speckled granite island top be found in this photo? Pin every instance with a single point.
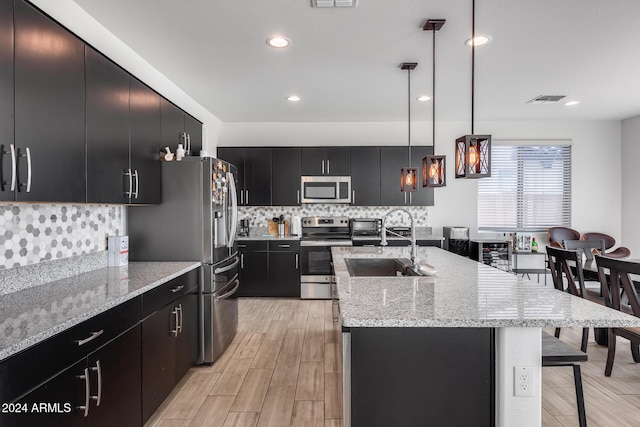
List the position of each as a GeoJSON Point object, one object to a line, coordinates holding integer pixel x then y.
{"type": "Point", "coordinates": [31, 315]}
{"type": "Point", "coordinates": [463, 293]}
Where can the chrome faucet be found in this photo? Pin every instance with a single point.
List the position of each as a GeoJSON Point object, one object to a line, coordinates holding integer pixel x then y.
{"type": "Point", "coordinates": [383, 239]}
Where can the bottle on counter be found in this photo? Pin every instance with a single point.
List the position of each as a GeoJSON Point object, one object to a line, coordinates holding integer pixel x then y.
{"type": "Point", "coordinates": [180, 152]}
{"type": "Point", "coordinates": [515, 242]}
{"type": "Point", "coordinates": [534, 245]}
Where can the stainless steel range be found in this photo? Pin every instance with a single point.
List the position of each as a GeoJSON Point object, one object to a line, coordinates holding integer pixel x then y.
{"type": "Point", "coordinates": [319, 235]}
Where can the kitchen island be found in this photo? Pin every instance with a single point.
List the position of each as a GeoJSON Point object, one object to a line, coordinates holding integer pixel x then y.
{"type": "Point", "coordinates": [442, 349]}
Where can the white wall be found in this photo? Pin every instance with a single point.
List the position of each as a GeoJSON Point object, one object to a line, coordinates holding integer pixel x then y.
{"type": "Point", "coordinates": [86, 27]}
{"type": "Point", "coordinates": [630, 181]}
{"type": "Point", "coordinates": [596, 147]}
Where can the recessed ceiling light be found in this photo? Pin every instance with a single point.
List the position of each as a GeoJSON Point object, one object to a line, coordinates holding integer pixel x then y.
{"type": "Point", "coordinates": [293, 98]}
{"type": "Point", "coordinates": [570, 103]}
{"type": "Point", "coordinates": [479, 40]}
{"type": "Point", "coordinates": [423, 98]}
{"type": "Point", "coordinates": [278, 41]}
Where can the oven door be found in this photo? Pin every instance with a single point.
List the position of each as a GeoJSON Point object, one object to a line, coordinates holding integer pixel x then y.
{"type": "Point", "coordinates": [315, 260]}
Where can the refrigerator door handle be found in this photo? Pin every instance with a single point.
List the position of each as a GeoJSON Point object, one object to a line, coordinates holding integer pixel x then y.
{"type": "Point", "coordinates": [227, 267]}
{"type": "Point", "coordinates": [234, 210]}
{"type": "Point", "coordinates": [231, 292]}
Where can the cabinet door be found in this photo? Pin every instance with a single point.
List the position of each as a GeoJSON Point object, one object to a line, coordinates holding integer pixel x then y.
{"type": "Point", "coordinates": [66, 391]}
{"type": "Point", "coordinates": [49, 108]}
{"type": "Point", "coordinates": [285, 176]}
{"type": "Point", "coordinates": [193, 128]}
{"type": "Point", "coordinates": [313, 161]}
{"type": "Point", "coordinates": [235, 156]}
{"type": "Point", "coordinates": [6, 99]}
{"type": "Point", "coordinates": [171, 125]}
{"type": "Point", "coordinates": [187, 339]}
{"type": "Point", "coordinates": [118, 364]}
{"type": "Point", "coordinates": [145, 142]}
{"type": "Point", "coordinates": [423, 196]}
{"type": "Point", "coordinates": [254, 270]}
{"type": "Point", "coordinates": [107, 116]}
{"type": "Point", "coordinates": [257, 176]}
{"type": "Point", "coordinates": [337, 161]}
{"type": "Point", "coordinates": [392, 159]}
{"type": "Point", "coordinates": [284, 273]}
{"type": "Point", "coordinates": [158, 358]}
{"type": "Point", "coordinates": [365, 176]}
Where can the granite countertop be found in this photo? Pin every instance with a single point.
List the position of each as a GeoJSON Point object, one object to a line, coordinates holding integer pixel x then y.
{"type": "Point", "coordinates": [34, 314]}
{"type": "Point", "coordinates": [420, 235]}
{"type": "Point", "coordinates": [462, 293]}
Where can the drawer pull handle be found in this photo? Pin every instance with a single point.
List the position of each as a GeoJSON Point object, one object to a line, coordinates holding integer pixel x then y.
{"type": "Point", "coordinates": [98, 369]}
{"type": "Point", "coordinates": [284, 246]}
{"type": "Point", "coordinates": [177, 288]}
{"type": "Point", "coordinates": [87, 391]}
{"type": "Point", "coordinates": [93, 336]}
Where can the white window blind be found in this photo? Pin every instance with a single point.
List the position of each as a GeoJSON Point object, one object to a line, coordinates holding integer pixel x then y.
{"type": "Point", "coordinates": [529, 189]}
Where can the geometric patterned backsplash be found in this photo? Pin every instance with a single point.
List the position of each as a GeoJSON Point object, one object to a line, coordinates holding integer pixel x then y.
{"type": "Point", "coordinates": [261, 215]}
{"type": "Point", "coordinates": [30, 234]}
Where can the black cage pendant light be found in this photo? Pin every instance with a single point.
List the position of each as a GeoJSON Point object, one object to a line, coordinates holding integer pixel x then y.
{"type": "Point", "coordinates": [473, 152]}
{"type": "Point", "coordinates": [408, 175]}
{"type": "Point", "coordinates": [434, 166]}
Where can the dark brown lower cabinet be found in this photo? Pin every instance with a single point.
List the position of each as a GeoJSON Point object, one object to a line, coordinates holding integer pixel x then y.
{"type": "Point", "coordinates": [269, 268]}
{"type": "Point", "coordinates": [102, 389]}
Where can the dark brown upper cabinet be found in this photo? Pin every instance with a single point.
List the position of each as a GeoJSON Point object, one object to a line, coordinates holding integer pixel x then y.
{"type": "Point", "coordinates": [325, 161]}
{"type": "Point", "coordinates": [107, 130]}
{"type": "Point", "coordinates": [7, 137]}
{"type": "Point", "coordinates": [49, 109]}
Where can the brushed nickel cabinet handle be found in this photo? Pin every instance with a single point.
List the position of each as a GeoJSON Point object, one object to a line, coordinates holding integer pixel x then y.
{"type": "Point", "coordinates": [98, 370]}
{"type": "Point", "coordinates": [328, 168]}
{"type": "Point", "coordinates": [179, 325]}
{"type": "Point", "coordinates": [87, 392]}
{"type": "Point", "coordinates": [127, 172]}
{"type": "Point", "coordinates": [93, 336]}
{"type": "Point", "coordinates": [135, 175]}
{"type": "Point", "coordinates": [28, 183]}
{"type": "Point", "coordinates": [176, 289]}
{"type": "Point", "coordinates": [174, 332]}
{"type": "Point", "coordinates": [297, 259]}
{"type": "Point", "coordinates": [12, 152]}
{"type": "Point", "coordinates": [323, 167]}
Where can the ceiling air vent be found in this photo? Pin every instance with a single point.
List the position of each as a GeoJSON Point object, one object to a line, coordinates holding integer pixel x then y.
{"type": "Point", "coordinates": [546, 99]}
{"type": "Point", "coordinates": [334, 3]}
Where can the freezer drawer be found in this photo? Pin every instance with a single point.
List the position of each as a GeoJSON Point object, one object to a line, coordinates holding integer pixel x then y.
{"type": "Point", "coordinates": [220, 311]}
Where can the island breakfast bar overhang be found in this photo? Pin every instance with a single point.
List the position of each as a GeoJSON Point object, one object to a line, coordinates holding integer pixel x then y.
{"type": "Point", "coordinates": [419, 346]}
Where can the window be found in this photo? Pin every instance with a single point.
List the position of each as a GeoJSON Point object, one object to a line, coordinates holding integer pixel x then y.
{"type": "Point", "coordinates": [529, 188]}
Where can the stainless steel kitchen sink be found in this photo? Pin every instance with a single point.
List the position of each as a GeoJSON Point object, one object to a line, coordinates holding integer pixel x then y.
{"type": "Point", "coordinates": [377, 267]}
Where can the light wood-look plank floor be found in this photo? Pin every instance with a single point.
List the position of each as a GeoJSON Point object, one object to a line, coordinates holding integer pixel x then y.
{"type": "Point", "coordinates": [284, 368]}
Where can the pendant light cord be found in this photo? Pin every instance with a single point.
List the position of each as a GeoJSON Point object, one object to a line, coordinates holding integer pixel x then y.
{"type": "Point", "coordinates": [473, 58]}
{"type": "Point", "coordinates": [433, 93]}
{"type": "Point", "coordinates": [409, 112]}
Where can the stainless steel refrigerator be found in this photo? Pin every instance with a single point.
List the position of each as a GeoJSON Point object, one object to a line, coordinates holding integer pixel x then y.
{"type": "Point", "coordinates": [196, 221]}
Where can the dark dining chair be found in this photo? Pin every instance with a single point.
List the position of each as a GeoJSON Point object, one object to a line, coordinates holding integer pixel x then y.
{"type": "Point", "coordinates": [561, 262]}
{"type": "Point", "coordinates": [559, 234]}
{"type": "Point", "coordinates": [619, 281]}
{"type": "Point", "coordinates": [609, 242]}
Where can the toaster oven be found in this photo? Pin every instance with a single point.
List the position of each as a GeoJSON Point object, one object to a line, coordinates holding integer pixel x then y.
{"type": "Point", "coordinates": [366, 226]}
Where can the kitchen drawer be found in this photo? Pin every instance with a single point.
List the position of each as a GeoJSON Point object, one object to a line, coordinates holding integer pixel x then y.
{"type": "Point", "coordinates": [164, 294]}
{"type": "Point", "coordinates": [284, 245]}
{"type": "Point", "coordinates": [252, 245]}
{"type": "Point", "coordinates": [26, 370]}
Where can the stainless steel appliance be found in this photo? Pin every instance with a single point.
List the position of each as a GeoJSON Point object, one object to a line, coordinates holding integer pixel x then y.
{"type": "Point", "coordinates": [196, 221]}
{"type": "Point", "coordinates": [319, 235]}
{"type": "Point", "coordinates": [326, 189]}
{"type": "Point", "coordinates": [366, 227]}
{"type": "Point", "coordinates": [456, 240]}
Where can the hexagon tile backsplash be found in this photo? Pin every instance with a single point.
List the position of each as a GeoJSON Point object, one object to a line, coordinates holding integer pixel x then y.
{"type": "Point", "coordinates": [30, 234]}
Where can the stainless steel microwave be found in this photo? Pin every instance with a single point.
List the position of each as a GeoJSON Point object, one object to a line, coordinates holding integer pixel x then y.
{"type": "Point", "coordinates": [326, 189]}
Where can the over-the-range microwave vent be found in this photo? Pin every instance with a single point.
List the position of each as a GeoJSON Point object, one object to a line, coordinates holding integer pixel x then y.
{"type": "Point", "coordinates": [334, 3]}
{"type": "Point", "coordinates": [546, 99]}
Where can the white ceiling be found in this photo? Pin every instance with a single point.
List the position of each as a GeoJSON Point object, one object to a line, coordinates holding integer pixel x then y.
{"type": "Point", "coordinates": [344, 62]}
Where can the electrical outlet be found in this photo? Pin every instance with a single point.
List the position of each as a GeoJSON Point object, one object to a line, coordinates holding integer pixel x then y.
{"type": "Point", "coordinates": [523, 384]}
